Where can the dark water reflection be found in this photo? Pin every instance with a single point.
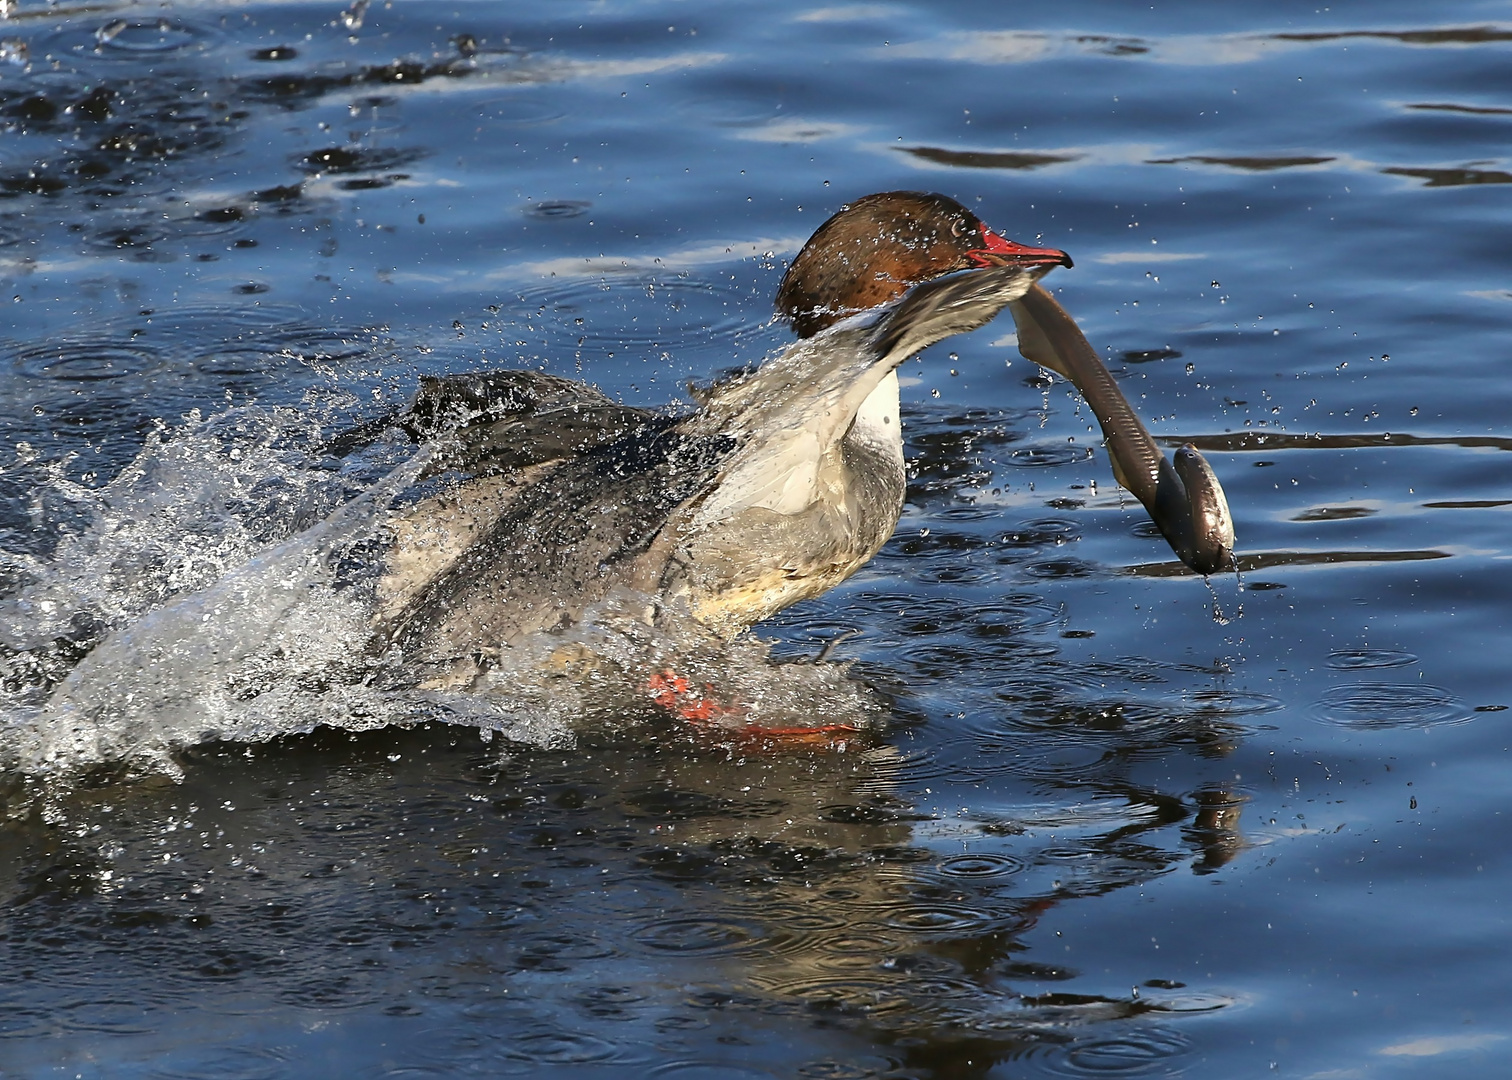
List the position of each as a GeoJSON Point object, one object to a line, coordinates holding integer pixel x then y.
{"type": "Point", "coordinates": [1118, 822]}
{"type": "Point", "coordinates": [491, 905]}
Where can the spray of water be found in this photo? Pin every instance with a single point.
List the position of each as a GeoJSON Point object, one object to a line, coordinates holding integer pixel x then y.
{"type": "Point", "coordinates": [223, 586]}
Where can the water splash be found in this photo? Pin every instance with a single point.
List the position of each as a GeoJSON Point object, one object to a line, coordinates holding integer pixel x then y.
{"type": "Point", "coordinates": [224, 586]}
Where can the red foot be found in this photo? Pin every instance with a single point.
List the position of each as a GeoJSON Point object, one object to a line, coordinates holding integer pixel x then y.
{"type": "Point", "coordinates": [672, 692]}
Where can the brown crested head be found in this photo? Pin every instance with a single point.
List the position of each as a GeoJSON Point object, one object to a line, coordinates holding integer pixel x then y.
{"type": "Point", "coordinates": [878, 247]}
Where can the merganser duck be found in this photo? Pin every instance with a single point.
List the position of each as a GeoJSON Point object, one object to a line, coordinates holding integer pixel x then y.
{"type": "Point", "coordinates": [784, 482]}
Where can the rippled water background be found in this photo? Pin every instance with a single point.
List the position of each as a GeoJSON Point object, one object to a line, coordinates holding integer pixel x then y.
{"type": "Point", "coordinates": [1107, 832]}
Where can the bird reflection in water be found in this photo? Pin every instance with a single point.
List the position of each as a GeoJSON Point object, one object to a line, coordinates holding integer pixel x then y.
{"type": "Point", "coordinates": [728, 890]}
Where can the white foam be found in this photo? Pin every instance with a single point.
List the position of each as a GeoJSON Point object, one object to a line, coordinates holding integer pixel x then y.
{"type": "Point", "coordinates": [224, 586]}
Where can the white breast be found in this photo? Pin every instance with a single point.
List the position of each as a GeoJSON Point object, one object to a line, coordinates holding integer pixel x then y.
{"type": "Point", "coordinates": [877, 419]}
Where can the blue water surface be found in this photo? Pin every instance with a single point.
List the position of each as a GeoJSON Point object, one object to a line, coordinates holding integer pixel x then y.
{"type": "Point", "coordinates": [1120, 822]}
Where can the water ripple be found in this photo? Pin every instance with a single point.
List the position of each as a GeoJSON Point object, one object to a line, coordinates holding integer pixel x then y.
{"type": "Point", "coordinates": [830, 1069]}
{"type": "Point", "coordinates": [557, 209]}
{"type": "Point", "coordinates": [149, 40]}
{"type": "Point", "coordinates": [712, 1070]}
{"type": "Point", "coordinates": [591, 313]}
{"type": "Point", "coordinates": [555, 1047]}
{"type": "Point", "coordinates": [982, 865]}
{"type": "Point", "coordinates": [1226, 703]}
{"type": "Point", "coordinates": [699, 936]}
{"type": "Point", "coordinates": [85, 361]}
{"type": "Point", "coordinates": [1047, 455]}
{"type": "Point", "coordinates": [1349, 659]}
{"type": "Point", "coordinates": [225, 1063]}
{"type": "Point", "coordinates": [1065, 758]}
{"type": "Point", "coordinates": [874, 995]}
{"type": "Point", "coordinates": [1378, 706]}
{"type": "Point", "coordinates": [1042, 532]}
{"type": "Point", "coordinates": [153, 38]}
{"type": "Point", "coordinates": [518, 110]}
{"type": "Point", "coordinates": [1060, 569]}
{"type": "Point", "coordinates": [938, 917]}
{"type": "Point", "coordinates": [1137, 1053]}
{"type": "Point", "coordinates": [855, 950]}
{"type": "Point", "coordinates": [107, 1016]}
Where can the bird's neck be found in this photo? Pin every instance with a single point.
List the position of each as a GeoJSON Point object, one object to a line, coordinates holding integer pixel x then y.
{"type": "Point", "coordinates": [877, 419]}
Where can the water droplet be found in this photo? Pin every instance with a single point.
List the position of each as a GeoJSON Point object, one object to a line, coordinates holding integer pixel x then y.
{"type": "Point", "coordinates": [352, 17]}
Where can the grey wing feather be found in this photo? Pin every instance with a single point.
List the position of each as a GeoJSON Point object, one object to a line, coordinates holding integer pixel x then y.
{"type": "Point", "coordinates": [562, 544]}
{"type": "Point", "coordinates": [491, 423]}
{"type": "Point", "coordinates": [503, 421]}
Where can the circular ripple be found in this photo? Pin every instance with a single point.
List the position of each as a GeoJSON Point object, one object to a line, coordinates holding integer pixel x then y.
{"type": "Point", "coordinates": [1377, 706]}
{"type": "Point", "coordinates": [968, 513]}
{"type": "Point", "coordinates": [521, 111]}
{"type": "Point", "coordinates": [912, 615]}
{"type": "Point", "coordinates": [980, 866]}
{"type": "Point", "coordinates": [242, 364]}
{"type": "Point", "coordinates": [807, 921]}
{"type": "Point", "coordinates": [1195, 1001]}
{"type": "Point", "coordinates": [559, 208]}
{"type": "Point", "coordinates": [641, 313]}
{"type": "Point", "coordinates": [85, 361]}
{"type": "Point", "coordinates": [107, 1017]}
{"type": "Point", "coordinates": [1048, 455]}
{"type": "Point", "coordinates": [1056, 569]}
{"type": "Point", "coordinates": [559, 1048]}
{"type": "Point", "coordinates": [128, 237]}
{"type": "Point", "coordinates": [699, 936]}
{"type": "Point", "coordinates": [949, 570]}
{"type": "Point", "coordinates": [212, 221]}
{"type": "Point", "coordinates": [872, 995]}
{"type": "Point", "coordinates": [938, 988]}
{"type": "Point", "coordinates": [1041, 533]}
{"type": "Point", "coordinates": [938, 659]}
{"type": "Point", "coordinates": [1235, 702]}
{"type": "Point", "coordinates": [225, 1063]}
{"type": "Point", "coordinates": [849, 949]}
{"type": "Point", "coordinates": [939, 919]}
{"type": "Point", "coordinates": [332, 992]}
{"type": "Point", "coordinates": [711, 1070]}
{"type": "Point", "coordinates": [985, 661]}
{"type": "Point", "coordinates": [566, 947]}
{"type": "Point", "coordinates": [1063, 759]}
{"type": "Point", "coordinates": [124, 39]}
{"type": "Point", "coordinates": [1351, 659]}
{"type": "Point", "coordinates": [837, 1070]}
{"type": "Point", "coordinates": [1136, 1053]}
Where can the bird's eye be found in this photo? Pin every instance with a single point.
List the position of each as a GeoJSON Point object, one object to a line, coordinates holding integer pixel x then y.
{"type": "Point", "coordinates": [957, 228]}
